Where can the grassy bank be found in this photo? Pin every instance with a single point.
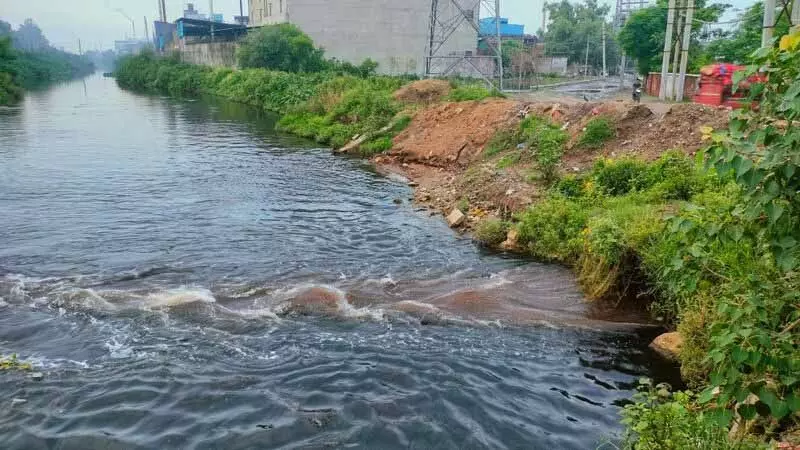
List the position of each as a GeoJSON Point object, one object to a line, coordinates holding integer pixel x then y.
{"type": "Point", "coordinates": [711, 245]}
{"type": "Point", "coordinates": [330, 107]}
{"type": "Point", "coordinates": [27, 70]}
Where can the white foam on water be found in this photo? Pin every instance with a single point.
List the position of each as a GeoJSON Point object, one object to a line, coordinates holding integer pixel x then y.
{"type": "Point", "coordinates": [176, 297]}
{"type": "Point", "coordinates": [118, 350]}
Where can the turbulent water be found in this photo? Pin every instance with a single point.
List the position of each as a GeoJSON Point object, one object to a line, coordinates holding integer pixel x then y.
{"type": "Point", "coordinates": [185, 277]}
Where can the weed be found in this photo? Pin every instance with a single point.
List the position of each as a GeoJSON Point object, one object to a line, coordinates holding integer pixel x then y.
{"type": "Point", "coordinates": [491, 232]}
{"type": "Point", "coordinates": [375, 146]}
{"type": "Point", "coordinates": [597, 132]}
{"type": "Point", "coordinates": [463, 205]}
{"type": "Point", "coordinates": [509, 160]}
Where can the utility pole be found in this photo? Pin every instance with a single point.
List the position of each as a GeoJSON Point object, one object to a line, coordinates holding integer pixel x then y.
{"type": "Point", "coordinates": [499, 39]}
{"type": "Point", "coordinates": [676, 56]}
{"type": "Point", "coordinates": [603, 25]}
{"type": "Point", "coordinates": [687, 36]}
{"type": "Point", "coordinates": [211, 16]}
{"type": "Point", "coordinates": [80, 47]}
{"type": "Point", "coordinates": [769, 23]}
{"type": "Point", "coordinates": [586, 61]}
{"type": "Point", "coordinates": [662, 90]}
{"type": "Point", "coordinates": [146, 30]}
{"type": "Point", "coordinates": [241, 9]}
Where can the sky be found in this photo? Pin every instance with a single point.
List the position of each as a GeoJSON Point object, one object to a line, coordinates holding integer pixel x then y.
{"type": "Point", "coordinates": [97, 23]}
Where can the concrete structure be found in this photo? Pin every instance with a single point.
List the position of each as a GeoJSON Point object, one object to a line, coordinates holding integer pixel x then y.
{"type": "Point", "coordinates": [393, 33]}
{"type": "Point", "coordinates": [214, 54]}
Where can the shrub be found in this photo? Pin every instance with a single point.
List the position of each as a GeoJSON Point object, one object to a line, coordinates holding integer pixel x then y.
{"type": "Point", "coordinates": [491, 232]}
{"type": "Point", "coordinates": [621, 176]}
{"type": "Point", "coordinates": [571, 186]}
{"type": "Point", "coordinates": [501, 141]}
{"type": "Point", "coordinates": [463, 205]}
{"type": "Point", "coordinates": [377, 145]}
{"type": "Point", "coordinates": [597, 132]}
{"type": "Point", "coordinates": [552, 229]}
{"type": "Point", "coordinates": [547, 140]}
{"type": "Point", "coordinates": [281, 47]}
{"type": "Point", "coordinates": [661, 420]}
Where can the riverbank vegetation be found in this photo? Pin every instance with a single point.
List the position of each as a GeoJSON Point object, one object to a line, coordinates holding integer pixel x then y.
{"type": "Point", "coordinates": [710, 243]}
{"type": "Point", "coordinates": [715, 244]}
{"type": "Point", "coordinates": [27, 61]}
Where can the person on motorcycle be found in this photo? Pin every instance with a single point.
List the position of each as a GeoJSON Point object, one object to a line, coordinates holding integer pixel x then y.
{"type": "Point", "coordinates": [637, 90]}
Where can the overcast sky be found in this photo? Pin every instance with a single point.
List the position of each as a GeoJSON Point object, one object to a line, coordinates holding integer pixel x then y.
{"type": "Point", "coordinates": [98, 24]}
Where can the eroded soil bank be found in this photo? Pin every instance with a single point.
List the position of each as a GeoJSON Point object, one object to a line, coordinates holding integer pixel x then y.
{"type": "Point", "coordinates": [442, 152]}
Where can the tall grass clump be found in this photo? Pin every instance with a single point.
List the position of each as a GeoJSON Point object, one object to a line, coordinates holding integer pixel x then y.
{"type": "Point", "coordinates": [597, 132]}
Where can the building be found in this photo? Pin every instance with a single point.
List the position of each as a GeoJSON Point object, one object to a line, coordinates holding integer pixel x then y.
{"type": "Point", "coordinates": [395, 34]}
{"type": "Point", "coordinates": [128, 46]}
{"type": "Point", "coordinates": [488, 27]}
{"type": "Point", "coordinates": [191, 13]}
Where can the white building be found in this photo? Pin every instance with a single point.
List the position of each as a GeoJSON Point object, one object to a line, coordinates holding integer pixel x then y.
{"type": "Point", "coordinates": [394, 33]}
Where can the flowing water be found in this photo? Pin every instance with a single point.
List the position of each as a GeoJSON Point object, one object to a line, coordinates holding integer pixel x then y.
{"type": "Point", "coordinates": [186, 277]}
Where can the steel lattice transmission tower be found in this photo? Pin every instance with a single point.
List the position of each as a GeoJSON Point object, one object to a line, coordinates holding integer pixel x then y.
{"type": "Point", "coordinates": [625, 8]}
{"type": "Point", "coordinates": [446, 18]}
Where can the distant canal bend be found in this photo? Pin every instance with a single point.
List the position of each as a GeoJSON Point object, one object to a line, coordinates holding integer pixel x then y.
{"type": "Point", "coordinates": [184, 277]}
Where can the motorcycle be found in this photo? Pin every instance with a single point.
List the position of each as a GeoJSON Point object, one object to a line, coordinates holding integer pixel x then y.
{"type": "Point", "coordinates": [637, 95]}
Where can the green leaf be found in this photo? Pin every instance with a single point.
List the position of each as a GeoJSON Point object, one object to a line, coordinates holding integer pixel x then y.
{"type": "Point", "coordinates": [738, 355]}
{"type": "Point", "coordinates": [777, 407]}
{"type": "Point", "coordinates": [742, 166]}
{"type": "Point", "coordinates": [774, 212]}
{"type": "Point", "coordinates": [748, 412]}
{"type": "Point", "coordinates": [793, 402]}
{"type": "Point", "coordinates": [792, 92]}
{"type": "Point", "coordinates": [706, 396]}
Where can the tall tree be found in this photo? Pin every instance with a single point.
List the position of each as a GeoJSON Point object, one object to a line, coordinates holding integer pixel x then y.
{"type": "Point", "coordinates": [642, 37]}
{"type": "Point", "coordinates": [737, 46]}
{"type": "Point", "coordinates": [573, 25]}
{"type": "Point", "coordinates": [29, 37]}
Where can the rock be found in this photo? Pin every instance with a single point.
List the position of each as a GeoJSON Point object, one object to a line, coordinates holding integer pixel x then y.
{"type": "Point", "coordinates": [668, 345]}
{"type": "Point", "coordinates": [36, 376]}
{"type": "Point", "coordinates": [18, 401]}
{"type": "Point", "coordinates": [512, 240]}
{"type": "Point", "coordinates": [413, 183]}
{"type": "Point", "coordinates": [398, 201]}
{"type": "Point", "coordinates": [456, 218]}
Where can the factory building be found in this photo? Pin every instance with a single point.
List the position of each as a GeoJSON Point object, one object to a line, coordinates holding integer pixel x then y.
{"type": "Point", "coordinates": [393, 33]}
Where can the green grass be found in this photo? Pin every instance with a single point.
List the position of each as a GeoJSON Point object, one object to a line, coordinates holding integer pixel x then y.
{"type": "Point", "coordinates": [471, 93]}
{"type": "Point", "coordinates": [325, 106]}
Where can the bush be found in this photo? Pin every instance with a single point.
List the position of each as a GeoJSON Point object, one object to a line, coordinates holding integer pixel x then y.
{"type": "Point", "coordinates": [571, 186]}
{"type": "Point", "coordinates": [547, 140]}
{"type": "Point", "coordinates": [552, 229]}
{"type": "Point", "coordinates": [281, 47]}
{"type": "Point", "coordinates": [597, 132]}
{"type": "Point", "coordinates": [501, 141]}
{"type": "Point", "coordinates": [491, 232]}
{"type": "Point", "coordinates": [661, 420]}
{"type": "Point", "coordinates": [377, 145]}
{"type": "Point", "coordinates": [621, 176]}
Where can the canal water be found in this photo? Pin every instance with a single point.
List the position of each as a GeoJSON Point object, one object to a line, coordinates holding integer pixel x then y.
{"type": "Point", "coordinates": [185, 277]}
